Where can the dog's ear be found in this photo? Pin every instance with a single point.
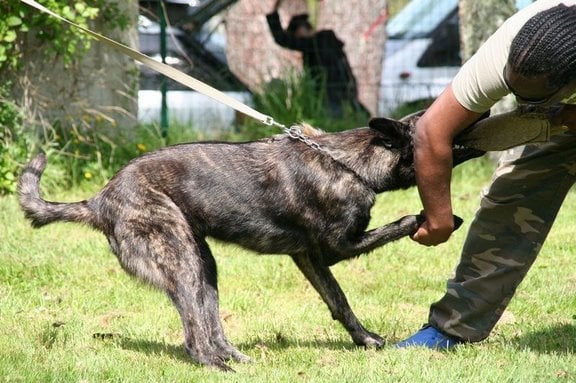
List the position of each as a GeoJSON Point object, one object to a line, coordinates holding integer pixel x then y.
{"type": "Point", "coordinates": [393, 133]}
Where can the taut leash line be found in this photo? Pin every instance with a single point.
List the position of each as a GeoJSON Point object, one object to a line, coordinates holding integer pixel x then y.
{"type": "Point", "coordinates": [167, 70]}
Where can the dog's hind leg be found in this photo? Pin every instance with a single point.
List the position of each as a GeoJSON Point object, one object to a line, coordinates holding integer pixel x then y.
{"type": "Point", "coordinates": [324, 282]}
{"type": "Point", "coordinates": [164, 252]}
{"type": "Point", "coordinates": [218, 337]}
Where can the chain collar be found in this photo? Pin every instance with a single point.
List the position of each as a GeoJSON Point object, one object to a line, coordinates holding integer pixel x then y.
{"type": "Point", "coordinates": [295, 132]}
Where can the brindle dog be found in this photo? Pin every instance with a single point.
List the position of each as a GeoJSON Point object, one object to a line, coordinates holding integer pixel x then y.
{"type": "Point", "coordinates": [274, 196]}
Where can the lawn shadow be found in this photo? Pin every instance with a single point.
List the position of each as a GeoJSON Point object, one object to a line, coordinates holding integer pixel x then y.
{"type": "Point", "coordinates": [280, 342]}
{"type": "Point", "coordinates": [558, 338]}
{"type": "Point", "coordinates": [150, 347]}
{"type": "Point", "coordinates": [272, 343]}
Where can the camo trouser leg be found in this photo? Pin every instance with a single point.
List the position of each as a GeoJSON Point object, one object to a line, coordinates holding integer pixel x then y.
{"type": "Point", "coordinates": [516, 213]}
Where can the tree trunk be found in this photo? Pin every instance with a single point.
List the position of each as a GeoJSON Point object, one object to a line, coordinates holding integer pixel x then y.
{"type": "Point", "coordinates": [479, 19]}
{"type": "Point", "coordinates": [98, 88]}
{"type": "Point", "coordinates": [361, 25]}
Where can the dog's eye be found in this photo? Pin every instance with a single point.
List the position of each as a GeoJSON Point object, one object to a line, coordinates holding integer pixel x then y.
{"type": "Point", "coordinates": [387, 144]}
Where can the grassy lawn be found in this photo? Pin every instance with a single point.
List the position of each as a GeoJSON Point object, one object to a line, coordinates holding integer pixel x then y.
{"type": "Point", "coordinates": [68, 313]}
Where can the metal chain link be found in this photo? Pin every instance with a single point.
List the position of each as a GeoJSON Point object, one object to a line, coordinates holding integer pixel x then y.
{"type": "Point", "coordinates": [295, 132]}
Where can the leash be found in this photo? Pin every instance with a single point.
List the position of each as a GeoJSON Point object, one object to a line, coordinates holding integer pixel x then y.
{"type": "Point", "coordinates": [294, 132]}
{"type": "Point", "coordinates": [173, 73]}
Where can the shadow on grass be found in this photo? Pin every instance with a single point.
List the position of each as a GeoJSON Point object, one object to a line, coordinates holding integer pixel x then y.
{"type": "Point", "coordinates": [275, 343]}
{"type": "Point", "coordinates": [280, 342]}
{"type": "Point", "coordinates": [272, 343]}
{"type": "Point", "coordinates": [151, 347]}
{"type": "Point", "coordinates": [559, 338]}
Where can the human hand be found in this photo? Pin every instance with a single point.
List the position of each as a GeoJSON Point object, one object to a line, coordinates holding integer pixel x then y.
{"type": "Point", "coordinates": [428, 235]}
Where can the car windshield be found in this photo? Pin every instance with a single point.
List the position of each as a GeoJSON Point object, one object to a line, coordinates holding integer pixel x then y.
{"type": "Point", "coordinates": [419, 18]}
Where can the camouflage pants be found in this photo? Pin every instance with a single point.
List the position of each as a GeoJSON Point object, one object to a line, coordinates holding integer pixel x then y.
{"type": "Point", "coordinates": [516, 214]}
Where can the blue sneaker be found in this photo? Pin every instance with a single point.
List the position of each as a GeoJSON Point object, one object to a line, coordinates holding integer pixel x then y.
{"type": "Point", "coordinates": [430, 337]}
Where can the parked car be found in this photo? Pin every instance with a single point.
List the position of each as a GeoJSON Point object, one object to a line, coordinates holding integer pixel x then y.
{"type": "Point", "coordinates": [422, 54]}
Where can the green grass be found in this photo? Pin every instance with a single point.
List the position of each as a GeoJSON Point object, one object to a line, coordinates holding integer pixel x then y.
{"type": "Point", "coordinates": [68, 313]}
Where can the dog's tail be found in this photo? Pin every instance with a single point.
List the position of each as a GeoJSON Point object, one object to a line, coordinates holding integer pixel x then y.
{"type": "Point", "coordinates": [41, 212]}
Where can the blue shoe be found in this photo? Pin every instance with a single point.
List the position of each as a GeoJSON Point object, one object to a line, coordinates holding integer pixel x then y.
{"type": "Point", "coordinates": [430, 337]}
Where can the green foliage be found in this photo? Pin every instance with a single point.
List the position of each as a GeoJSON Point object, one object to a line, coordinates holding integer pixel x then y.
{"type": "Point", "coordinates": [85, 151]}
{"type": "Point", "coordinates": [87, 148]}
{"type": "Point", "coordinates": [294, 99]}
{"type": "Point", "coordinates": [411, 107]}
{"type": "Point", "coordinates": [19, 18]}
{"type": "Point", "coordinates": [13, 144]}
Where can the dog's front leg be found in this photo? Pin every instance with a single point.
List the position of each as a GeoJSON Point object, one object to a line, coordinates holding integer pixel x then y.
{"type": "Point", "coordinates": [343, 248]}
{"type": "Point", "coordinates": [324, 282]}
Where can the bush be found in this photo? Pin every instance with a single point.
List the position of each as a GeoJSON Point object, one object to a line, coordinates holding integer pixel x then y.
{"type": "Point", "coordinates": [294, 99]}
{"type": "Point", "coordinates": [14, 145]}
{"type": "Point", "coordinates": [89, 150]}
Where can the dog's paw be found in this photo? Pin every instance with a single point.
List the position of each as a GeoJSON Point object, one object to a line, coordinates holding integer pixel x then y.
{"type": "Point", "coordinates": [420, 219]}
{"type": "Point", "coordinates": [408, 224]}
{"type": "Point", "coordinates": [371, 340]}
{"type": "Point", "coordinates": [457, 222]}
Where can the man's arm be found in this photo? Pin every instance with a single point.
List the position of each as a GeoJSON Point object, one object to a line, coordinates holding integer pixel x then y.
{"type": "Point", "coordinates": [435, 131]}
{"type": "Point", "coordinates": [275, 26]}
{"type": "Point", "coordinates": [284, 39]}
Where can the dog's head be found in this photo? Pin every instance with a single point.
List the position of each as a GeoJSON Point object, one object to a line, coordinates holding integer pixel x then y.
{"type": "Point", "coordinates": [396, 159]}
{"type": "Point", "coordinates": [401, 133]}
{"type": "Point", "coordinates": [395, 156]}
{"type": "Point", "coordinates": [394, 135]}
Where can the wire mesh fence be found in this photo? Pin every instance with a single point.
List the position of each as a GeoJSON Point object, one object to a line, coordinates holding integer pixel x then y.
{"type": "Point", "coordinates": [398, 61]}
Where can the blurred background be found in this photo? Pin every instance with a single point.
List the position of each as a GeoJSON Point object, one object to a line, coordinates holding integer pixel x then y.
{"type": "Point", "coordinates": [94, 108]}
{"type": "Point", "coordinates": [403, 53]}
